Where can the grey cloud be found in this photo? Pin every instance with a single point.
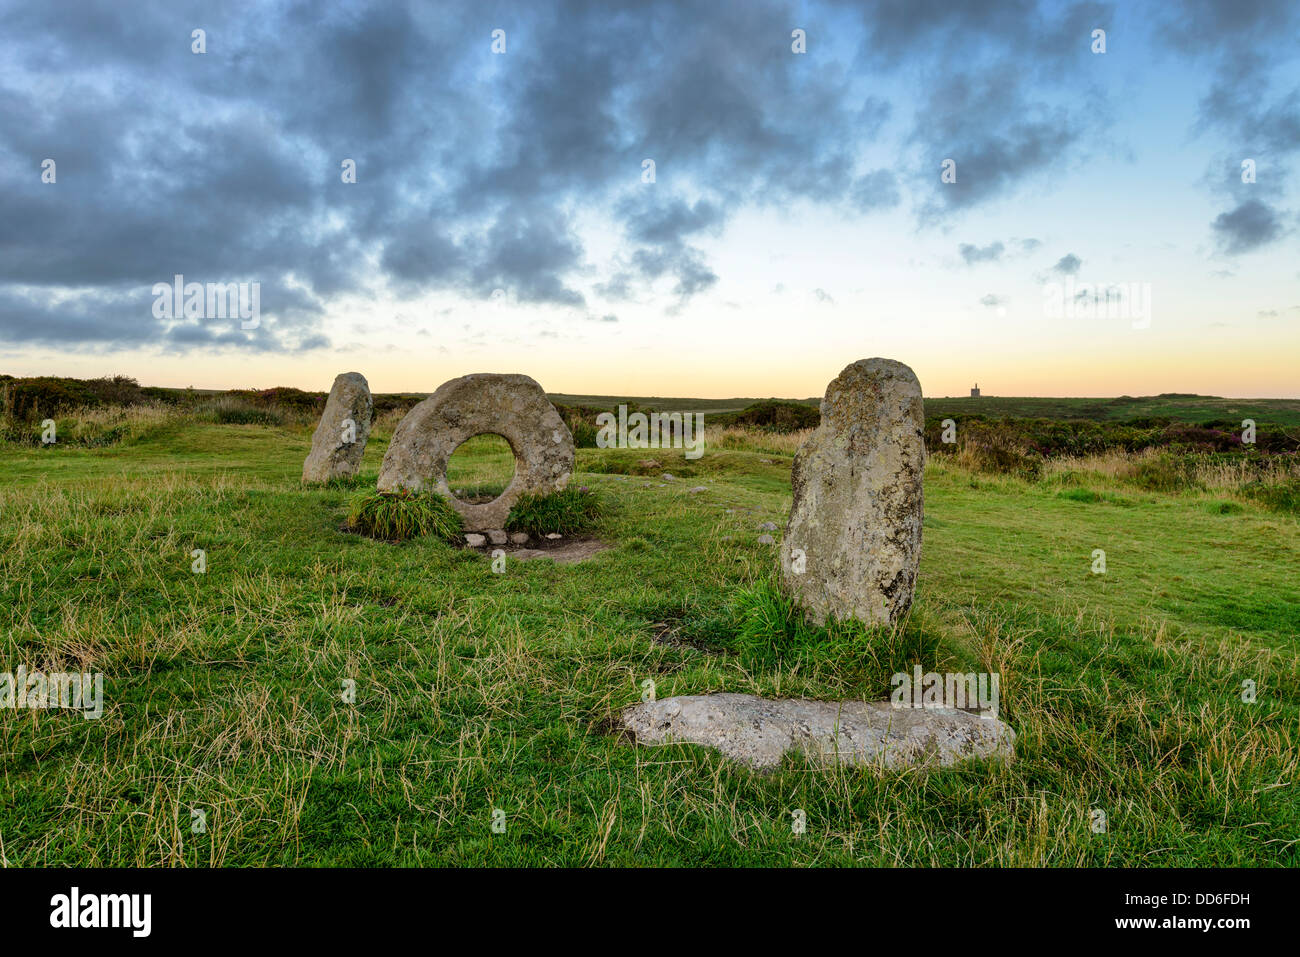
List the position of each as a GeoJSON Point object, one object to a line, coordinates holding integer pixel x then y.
{"type": "Point", "coordinates": [1068, 265]}
{"type": "Point", "coordinates": [1242, 46]}
{"type": "Point", "coordinates": [1249, 226]}
{"type": "Point", "coordinates": [978, 254]}
{"type": "Point", "coordinates": [474, 171]}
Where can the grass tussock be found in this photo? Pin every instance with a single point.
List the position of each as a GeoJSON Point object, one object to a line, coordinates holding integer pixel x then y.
{"type": "Point", "coordinates": [233, 410]}
{"type": "Point", "coordinates": [745, 439]}
{"type": "Point", "coordinates": [773, 631]}
{"type": "Point", "coordinates": [567, 512]}
{"type": "Point", "coordinates": [401, 515]}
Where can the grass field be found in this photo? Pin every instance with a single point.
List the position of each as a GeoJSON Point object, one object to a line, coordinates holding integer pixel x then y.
{"type": "Point", "coordinates": [477, 691]}
{"type": "Point", "coordinates": [1179, 408]}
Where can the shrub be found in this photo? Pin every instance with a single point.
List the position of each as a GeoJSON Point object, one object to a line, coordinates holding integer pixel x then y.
{"type": "Point", "coordinates": [1280, 497]}
{"type": "Point", "coordinates": [286, 397]}
{"type": "Point", "coordinates": [153, 393]}
{"type": "Point", "coordinates": [1162, 473]}
{"type": "Point", "coordinates": [991, 449]}
{"type": "Point", "coordinates": [401, 403]}
{"type": "Point", "coordinates": [581, 420]}
{"type": "Point", "coordinates": [403, 514]}
{"type": "Point", "coordinates": [116, 390]}
{"type": "Point", "coordinates": [567, 511]}
{"type": "Point", "coordinates": [773, 415]}
{"type": "Point", "coordinates": [26, 400]}
{"type": "Point", "coordinates": [584, 434]}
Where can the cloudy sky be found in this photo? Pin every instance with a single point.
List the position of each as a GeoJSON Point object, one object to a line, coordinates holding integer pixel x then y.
{"type": "Point", "coordinates": [503, 216]}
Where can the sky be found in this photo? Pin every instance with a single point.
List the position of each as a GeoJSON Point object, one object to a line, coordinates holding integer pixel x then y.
{"type": "Point", "coordinates": [990, 192]}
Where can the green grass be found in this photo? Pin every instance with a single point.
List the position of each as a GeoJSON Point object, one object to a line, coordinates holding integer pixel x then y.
{"type": "Point", "coordinates": [475, 690]}
{"type": "Point", "coordinates": [1178, 408]}
{"type": "Point", "coordinates": [574, 509]}
{"type": "Point", "coordinates": [481, 468]}
{"type": "Point", "coordinates": [400, 515]}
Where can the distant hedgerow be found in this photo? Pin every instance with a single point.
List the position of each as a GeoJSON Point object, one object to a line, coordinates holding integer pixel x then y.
{"type": "Point", "coordinates": [403, 514]}
{"type": "Point", "coordinates": [567, 511]}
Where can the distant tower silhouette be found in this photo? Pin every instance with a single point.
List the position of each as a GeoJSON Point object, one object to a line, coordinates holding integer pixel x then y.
{"type": "Point", "coordinates": [975, 392]}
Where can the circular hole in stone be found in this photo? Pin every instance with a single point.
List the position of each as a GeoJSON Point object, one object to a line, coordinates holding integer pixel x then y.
{"type": "Point", "coordinates": [481, 468]}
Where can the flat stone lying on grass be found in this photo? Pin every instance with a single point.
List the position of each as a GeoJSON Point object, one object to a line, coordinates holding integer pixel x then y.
{"type": "Point", "coordinates": [757, 732]}
{"type": "Point", "coordinates": [767, 527]}
{"type": "Point", "coordinates": [766, 540]}
{"type": "Point", "coordinates": [698, 488]}
{"type": "Point", "coordinates": [339, 441]}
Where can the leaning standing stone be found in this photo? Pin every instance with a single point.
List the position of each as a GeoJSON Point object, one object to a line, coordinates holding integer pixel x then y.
{"type": "Point", "coordinates": [340, 438]}
{"type": "Point", "coordinates": [853, 543]}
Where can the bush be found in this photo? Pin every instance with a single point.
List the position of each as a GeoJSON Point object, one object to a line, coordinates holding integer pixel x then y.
{"type": "Point", "coordinates": [581, 420]}
{"type": "Point", "coordinates": [116, 390]}
{"type": "Point", "coordinates": [402, 403]}
{"type": "Point", "coordinates": [403, 514]}
{"type": "Point", "coordinates": [153, 393]}
{"type": "Point", "coordinates": [584, 434]}
{"type": "Point", "coordinates": [27, 400]}
{"type": "Point", "coordinates": [992, 449]}
{"type": "Point", "coordinates": [1281, 497]}
{"type": "Point", "coordinates": [283, 398]}
{"type": "Point", "coordinates": [773, 415]}
{"type": "Point", "coordinates": [1164, 473]}
{"type": "Point", "coordinates": [568, 511]}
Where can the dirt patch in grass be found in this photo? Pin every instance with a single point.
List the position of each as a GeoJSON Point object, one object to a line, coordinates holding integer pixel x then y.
{"type": "Point", "coordinates": [565, 551]}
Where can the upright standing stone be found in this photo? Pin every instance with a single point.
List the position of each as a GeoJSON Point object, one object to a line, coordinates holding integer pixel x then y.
{"type": "Point", "coordinates": [340, 438]}
{"type": "Point", "coordinates": [510, 405]}
{"type": "Point", "coordinates": [853, 543]}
